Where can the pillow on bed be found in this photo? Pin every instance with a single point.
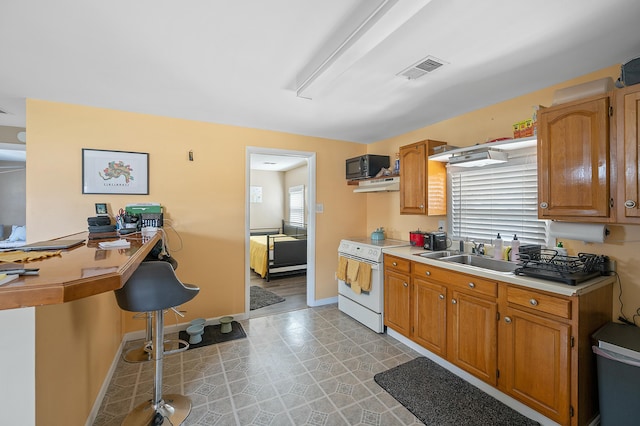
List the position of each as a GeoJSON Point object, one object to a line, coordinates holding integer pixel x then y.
{"type": "Point", "coordinates": [18, 233]}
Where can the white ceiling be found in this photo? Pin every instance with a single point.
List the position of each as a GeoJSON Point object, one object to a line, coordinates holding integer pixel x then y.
{"type": "Point", "coordinates": [276, 163]}
{"type": "Point", "coordinates": [240, 62]}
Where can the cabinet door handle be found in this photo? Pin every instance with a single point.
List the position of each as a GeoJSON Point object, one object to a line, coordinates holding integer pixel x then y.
{"type": "Point", "coordinates": [395, 263]}
{"type": "Point", "coordinates": [630, 204]}
{"type": "Point", "coordinates": [428, 273]}
{"type": "Point", "coordinates": [441, 296]}
{"type": "Point", "coordinates": [507, 320]}
{"type": "Point", "coordinates": [533, 302]}
{"type": "Point", "coordinates": [405, 284]}
{"type": "Point", "coordinates": [544, 205]}
{"type": "Point", "coordinates": [454, 301]}
{"type": "Point", "coordinates": [472, 285]}
{"type": "Point", "coordinates": [421, 206]}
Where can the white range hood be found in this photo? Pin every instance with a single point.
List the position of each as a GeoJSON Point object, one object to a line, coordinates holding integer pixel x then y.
{"type": "Point", "coordinates": [383, 184]}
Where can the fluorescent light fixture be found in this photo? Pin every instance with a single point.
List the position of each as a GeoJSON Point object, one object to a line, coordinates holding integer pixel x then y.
{"type": "Point", "coordinates": [386, 18]}
{"type": "Point", "coordinates": [478, 159]}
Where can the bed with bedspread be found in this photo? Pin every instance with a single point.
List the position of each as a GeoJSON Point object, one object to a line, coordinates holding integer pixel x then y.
{"type": "Point", "coordinates": [283, 252]}
{"type": "Point", "coordinates": [16, 240]}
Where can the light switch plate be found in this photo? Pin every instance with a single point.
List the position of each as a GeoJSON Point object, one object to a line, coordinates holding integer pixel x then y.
{"type": "Point", "coordinates": [319, 208]}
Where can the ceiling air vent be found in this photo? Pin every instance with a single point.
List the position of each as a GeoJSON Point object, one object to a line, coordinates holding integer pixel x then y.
{"type": "Point", "coordinates": [422, 67]}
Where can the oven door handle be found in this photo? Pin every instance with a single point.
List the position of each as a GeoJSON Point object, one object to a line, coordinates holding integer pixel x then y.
{"type": "Point", "coordinates": [374, 265]}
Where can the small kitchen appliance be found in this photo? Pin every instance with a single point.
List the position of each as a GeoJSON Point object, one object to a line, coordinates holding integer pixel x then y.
{"type": "Point", "coordinates": [366, 166]}
{"type": "Point", "coordinates": [416, 238]}
{"type": "Point", "coordinates": [435, 241]}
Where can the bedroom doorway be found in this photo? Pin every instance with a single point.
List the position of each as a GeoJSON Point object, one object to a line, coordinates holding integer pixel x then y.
{"type": "Point", "coordinates": [280, 214]}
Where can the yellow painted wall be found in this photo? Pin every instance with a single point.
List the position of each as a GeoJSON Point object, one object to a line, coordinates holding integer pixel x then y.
{"type": "Point", "coordinates": [205, 201]}
{"type": "Point", "coordinates": [495, 122]}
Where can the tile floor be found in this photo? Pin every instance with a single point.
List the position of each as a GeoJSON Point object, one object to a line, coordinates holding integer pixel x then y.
{"type": "Point", "coordinates": [313, 366]}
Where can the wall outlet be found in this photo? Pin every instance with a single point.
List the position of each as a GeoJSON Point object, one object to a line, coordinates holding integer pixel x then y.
{"type": "Point", "coordinates": [442, 225]}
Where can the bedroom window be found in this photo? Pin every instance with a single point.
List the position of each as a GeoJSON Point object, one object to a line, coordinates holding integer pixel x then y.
{"type": "Point", "coordinates": [502, 198]}
{"type": "Point", "coordinates": [296, 204]}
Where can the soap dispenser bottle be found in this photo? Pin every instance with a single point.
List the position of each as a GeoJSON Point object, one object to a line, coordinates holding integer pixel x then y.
{"type": "Point", "coordinates": [560, 249]}
{"type": "Point", "coordinates": [515, 248]}
{"type": "Point", "coordinates": [497, 247]}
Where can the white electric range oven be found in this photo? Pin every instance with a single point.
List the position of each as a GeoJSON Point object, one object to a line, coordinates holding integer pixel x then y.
{"type": "Point", "coordinates": [366, 307]}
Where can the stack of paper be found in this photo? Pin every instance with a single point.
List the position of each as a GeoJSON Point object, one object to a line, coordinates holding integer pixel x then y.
{"type": "Point", "coordinates": [114, 244]}
{"type": "Point", "coordinates": [4, 278]}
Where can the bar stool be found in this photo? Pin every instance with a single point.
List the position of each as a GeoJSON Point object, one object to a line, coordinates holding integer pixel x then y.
{"type": "Point", "coordinates": [143, 353]}
{"type": "Point", "coordinates": [154, 287]}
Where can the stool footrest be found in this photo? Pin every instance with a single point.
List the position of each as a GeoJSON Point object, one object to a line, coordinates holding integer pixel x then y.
{"type": "Point", "coordinates": [181, 346]}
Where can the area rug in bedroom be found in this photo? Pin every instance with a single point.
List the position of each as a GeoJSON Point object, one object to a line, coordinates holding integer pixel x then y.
{"type": "Point", "coordinates": [438, 397]}
{"type": "Point", "coordinates": [259, 298]}
{"type": "Point", "coordinates": [212, 335]}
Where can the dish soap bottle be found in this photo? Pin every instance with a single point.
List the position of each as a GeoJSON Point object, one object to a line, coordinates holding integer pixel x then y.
{"type": "Point", "coordinates": [561, 250]}
{"type": "Point", "coordinates": [515, 249]}
{"type": "Point", "coordinates": [497, 247]}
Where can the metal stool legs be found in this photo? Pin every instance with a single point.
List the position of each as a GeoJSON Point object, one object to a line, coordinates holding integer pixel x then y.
{"type": "Point", "coordinates": [171, 408]}
{"type": "Point", "coordinates": [143, 353]}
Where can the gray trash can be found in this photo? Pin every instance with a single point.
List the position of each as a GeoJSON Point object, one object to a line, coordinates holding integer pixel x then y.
{"type": "Point", "coordinates": [618, 358]}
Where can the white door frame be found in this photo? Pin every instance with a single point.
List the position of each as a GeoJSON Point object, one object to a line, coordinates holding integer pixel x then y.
{"type": "Point", "coordinates": [311, 218]}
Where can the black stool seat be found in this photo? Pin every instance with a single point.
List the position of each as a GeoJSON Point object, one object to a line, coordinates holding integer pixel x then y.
{"type": "Point", "coordinates": [154, 287]}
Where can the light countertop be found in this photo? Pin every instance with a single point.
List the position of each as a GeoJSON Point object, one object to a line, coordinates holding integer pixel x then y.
{"type": "Point", "coordinates": [412, 253]}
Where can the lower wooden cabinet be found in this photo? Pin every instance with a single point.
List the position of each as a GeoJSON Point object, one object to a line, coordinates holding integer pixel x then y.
{"type": "Point", "coordinates": [532, 345]}
{"type": "Point", "coordinates": [454, 315]}
{"type": "Point", "coordinates": [429, 315]}
{"type": "Point", "coordinates": [397, 295]}
{"type": "Point", "coordinates": [474, 329]}
{"type": "Point", "coordinates": [537, 363]}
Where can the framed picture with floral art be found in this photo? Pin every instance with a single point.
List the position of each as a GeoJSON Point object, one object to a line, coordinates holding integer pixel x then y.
{"type": "Point", "coordinates": [115, 172]}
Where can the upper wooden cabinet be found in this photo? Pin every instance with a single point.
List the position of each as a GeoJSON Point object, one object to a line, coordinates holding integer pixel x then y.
{"type": "Point", "coordinates": [573, 161]}
{"type": "Point", "coordinates": [423, 188]}
{"type": "Point", "coordinates": [627, 128]}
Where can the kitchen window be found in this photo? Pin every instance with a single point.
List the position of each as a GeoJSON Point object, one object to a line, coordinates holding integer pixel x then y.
{"type": "Point", "coordinates": [485, 201]}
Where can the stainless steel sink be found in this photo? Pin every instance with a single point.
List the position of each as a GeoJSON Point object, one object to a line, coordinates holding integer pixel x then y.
{"type": "Point", "coordinates": [482, 262]}
{"type": "Point", "coordinates": [437, 254]}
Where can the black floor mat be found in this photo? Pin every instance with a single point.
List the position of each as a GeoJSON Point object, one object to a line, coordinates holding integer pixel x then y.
{"type": "Point", "coordinates": [438, 397]}
{"type": "Point", "coordinates": [212, 335]}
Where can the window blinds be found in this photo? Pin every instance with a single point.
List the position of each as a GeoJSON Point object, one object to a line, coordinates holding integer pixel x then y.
{"type": "Point", "coordinates": [504, 199]}
{"type": "Point", "coordinates": [296, 204]}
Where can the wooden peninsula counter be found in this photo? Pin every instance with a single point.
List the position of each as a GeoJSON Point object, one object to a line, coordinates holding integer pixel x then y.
{"type": "Point", "coordinates": [76, 273]}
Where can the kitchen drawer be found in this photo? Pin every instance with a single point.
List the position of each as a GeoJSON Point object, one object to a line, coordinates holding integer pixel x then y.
{"type": "Point", "coordinates": [554, 305]}
{"type": "Point", "coordinates": [397, 263]}
{"type": "Point", "coordinates": [463, 282]}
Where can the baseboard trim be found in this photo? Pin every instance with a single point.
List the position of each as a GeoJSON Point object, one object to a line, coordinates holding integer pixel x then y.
{"type": "Point", "coordinates": [322, 302]}
{"type": "Point", "coordinates": [105, 385]}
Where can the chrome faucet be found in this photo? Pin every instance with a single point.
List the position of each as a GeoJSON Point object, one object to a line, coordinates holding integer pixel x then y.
{"type": "Point", "coordinates": [478, 248]}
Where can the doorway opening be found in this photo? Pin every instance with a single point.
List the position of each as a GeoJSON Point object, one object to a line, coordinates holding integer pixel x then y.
{"type": "Point", "coordinates": [279, 231]}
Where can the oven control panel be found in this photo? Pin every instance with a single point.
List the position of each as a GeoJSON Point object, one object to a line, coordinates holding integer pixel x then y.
{"type": "Point", "coordinates": [362, 251]}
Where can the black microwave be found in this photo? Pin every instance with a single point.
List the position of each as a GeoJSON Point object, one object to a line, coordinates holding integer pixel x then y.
{"type": "Point", "coordinates": [366, 166]}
